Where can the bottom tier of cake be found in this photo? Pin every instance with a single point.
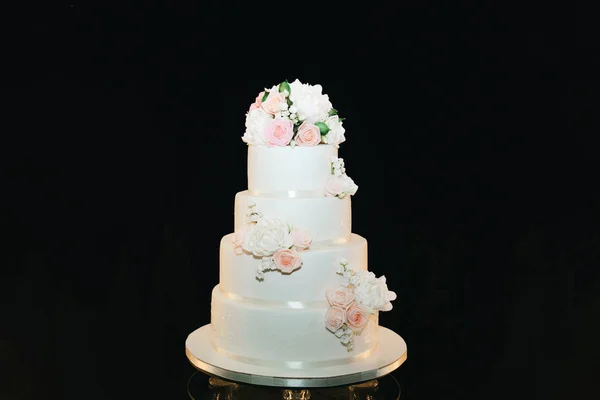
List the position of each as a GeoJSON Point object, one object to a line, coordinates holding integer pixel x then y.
{"type": "Point", "coordinates": [287, 334]}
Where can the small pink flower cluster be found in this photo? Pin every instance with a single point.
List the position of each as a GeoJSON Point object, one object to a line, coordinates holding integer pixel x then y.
{"type": "Point", "coordinates": [280, 131]}
{"type": "Point", "coordinates": [344, 310]}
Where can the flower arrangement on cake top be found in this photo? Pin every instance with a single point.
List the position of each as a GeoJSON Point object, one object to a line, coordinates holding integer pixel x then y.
{"type": "Point", "coordinates": [293, 114]}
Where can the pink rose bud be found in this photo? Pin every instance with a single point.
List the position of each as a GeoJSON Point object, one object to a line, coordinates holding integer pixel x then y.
{"type": "Point", "coordinates": [272, 103]}
{"type": "Point", "coordinates": [257, 103]}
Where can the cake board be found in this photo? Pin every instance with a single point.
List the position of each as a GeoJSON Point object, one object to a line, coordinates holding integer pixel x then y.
{"type": "Point", "coordinates": [387, 357]}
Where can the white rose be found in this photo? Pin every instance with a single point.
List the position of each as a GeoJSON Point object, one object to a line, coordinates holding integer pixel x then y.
{"type": "Point", "coordinates": [348, 185]}
{"type": "Point", "coordinates": [309, 101]}
{"type": "Point", "coordinates": [256, 120]}
{"type": "Point", "coordinates": [340, 186]}
{"type": "Point", "coordinates": [335, 136]}
{"type": "Point", "coordinates": [267, 236]}
{"type": "Point", "coordinates": [371, 292]}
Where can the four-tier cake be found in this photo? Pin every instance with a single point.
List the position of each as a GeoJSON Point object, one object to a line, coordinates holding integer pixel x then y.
{"type": "Point", "coordinates": [295, 299]}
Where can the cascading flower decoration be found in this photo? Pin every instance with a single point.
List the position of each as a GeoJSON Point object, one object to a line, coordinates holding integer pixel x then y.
{"type": "Point", "coordinates": [339, 184]}
{"type": "Point", "coordinates": [351, 304]}
{"type": "Point", "coordinates": [274, 241]}
{"type": "Point", "coordinates": [293, 114]}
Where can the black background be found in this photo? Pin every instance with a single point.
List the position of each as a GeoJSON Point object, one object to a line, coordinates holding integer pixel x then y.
{"type": "Point", "coordinates": [470, 132]}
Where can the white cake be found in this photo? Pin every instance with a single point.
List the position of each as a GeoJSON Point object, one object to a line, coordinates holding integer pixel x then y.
{"type": "Point", "coordinates": [294, 288]}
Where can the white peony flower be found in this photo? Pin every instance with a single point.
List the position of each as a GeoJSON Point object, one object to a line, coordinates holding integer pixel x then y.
{"type": "Point", "coordinates": [267, 236]}
{"type": "Point", "coordinates": [372, 292]}
{"type": "Point", "coordinates": [311, 103]}
{"type": "Point", "coordinates": [256, 121]}
{"type": "Point", "coordinates": [335, 136]}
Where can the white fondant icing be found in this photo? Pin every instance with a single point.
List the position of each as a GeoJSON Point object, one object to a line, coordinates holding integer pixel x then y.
{"type": "Point", "coordinates": [302, 171]}
{"type": "Point", "coordinates": [306, 284]}
{"type": "Point", "coordinates": [324, 218]}
{"type": "Point", "coordinates": [273, 334]}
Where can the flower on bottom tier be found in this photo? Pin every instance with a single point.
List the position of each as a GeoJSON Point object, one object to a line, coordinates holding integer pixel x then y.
{"type": "Point", "coordinates": [272, 240]}
{"type": "Point", "coordinates": [351, 305]}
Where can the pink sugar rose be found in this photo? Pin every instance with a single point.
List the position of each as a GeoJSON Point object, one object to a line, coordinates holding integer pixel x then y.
{"type": "Point", "coordinates": [334, 186]}
{"type": "Point", "coordinates": [279, 132]}
{"type": "Point", "coordinates": [257, 103]}
{"type": "Point", "coordinates": [357, 317]}
{"type": "Point", "coordinates": [308, 135]}
{"type": "Point", "coordinates": [335, 318]}
{"type": "Point", "coordinates": [340, 297]}
{"type": "Point", "coordinates": [238, 240]}
{"type": "Point", "coordinates": [302, 239]}
{"type": "Point", "coordinates": [287, 260]}
{"type": "Point", "coordinates": [272, 103]}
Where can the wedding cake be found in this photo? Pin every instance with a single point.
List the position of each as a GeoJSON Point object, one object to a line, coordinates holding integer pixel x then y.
{"type": "Point", "coordinates": [294, 290]}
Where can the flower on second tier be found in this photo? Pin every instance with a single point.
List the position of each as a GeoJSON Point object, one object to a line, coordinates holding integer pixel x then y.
{"type": "Point", "coordinates": [287, 260]}
{"type": "Point", "coordinates": [279, 132]}
{"type": "Point", "coordinates": [335, 318]}
{"type": "Point", "coordinates": [338, 167]}
{"type": "Point", "coordinates": [340, 186]}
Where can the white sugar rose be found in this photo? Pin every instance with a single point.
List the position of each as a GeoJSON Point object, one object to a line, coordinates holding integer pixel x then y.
{"type": "Point", "coordinates": [256, 122]}
{"type": "Point", "coordinates": [371, 292]}
{"type": "Point", "coordinates": [309, 102]}
{"type": "Point", "coordinates": [348, 185]}
{"type": "Point", "coordinates": [335, 136]}
{"type": "Point", "coordinates": [267, 236]}
{"type": "Point", "coordinates": [340, 186]}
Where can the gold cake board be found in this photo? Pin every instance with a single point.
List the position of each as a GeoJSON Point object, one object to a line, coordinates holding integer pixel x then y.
{"type": "Point", "coordinates": [387, 357]}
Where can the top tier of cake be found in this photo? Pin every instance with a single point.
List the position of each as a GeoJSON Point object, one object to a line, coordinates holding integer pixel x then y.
{"type": "Point", "coordinates": [293, 134]}
{"type": "Point", "coordinates": [289, 171]}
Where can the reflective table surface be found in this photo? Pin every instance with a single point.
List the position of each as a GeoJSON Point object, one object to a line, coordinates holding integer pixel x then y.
{"type": "Point", "coordinates": [203, 387]}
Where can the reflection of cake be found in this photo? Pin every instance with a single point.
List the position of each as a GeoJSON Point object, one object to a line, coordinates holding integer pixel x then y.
{"type": "Point", "coordinates": [294, 286]}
